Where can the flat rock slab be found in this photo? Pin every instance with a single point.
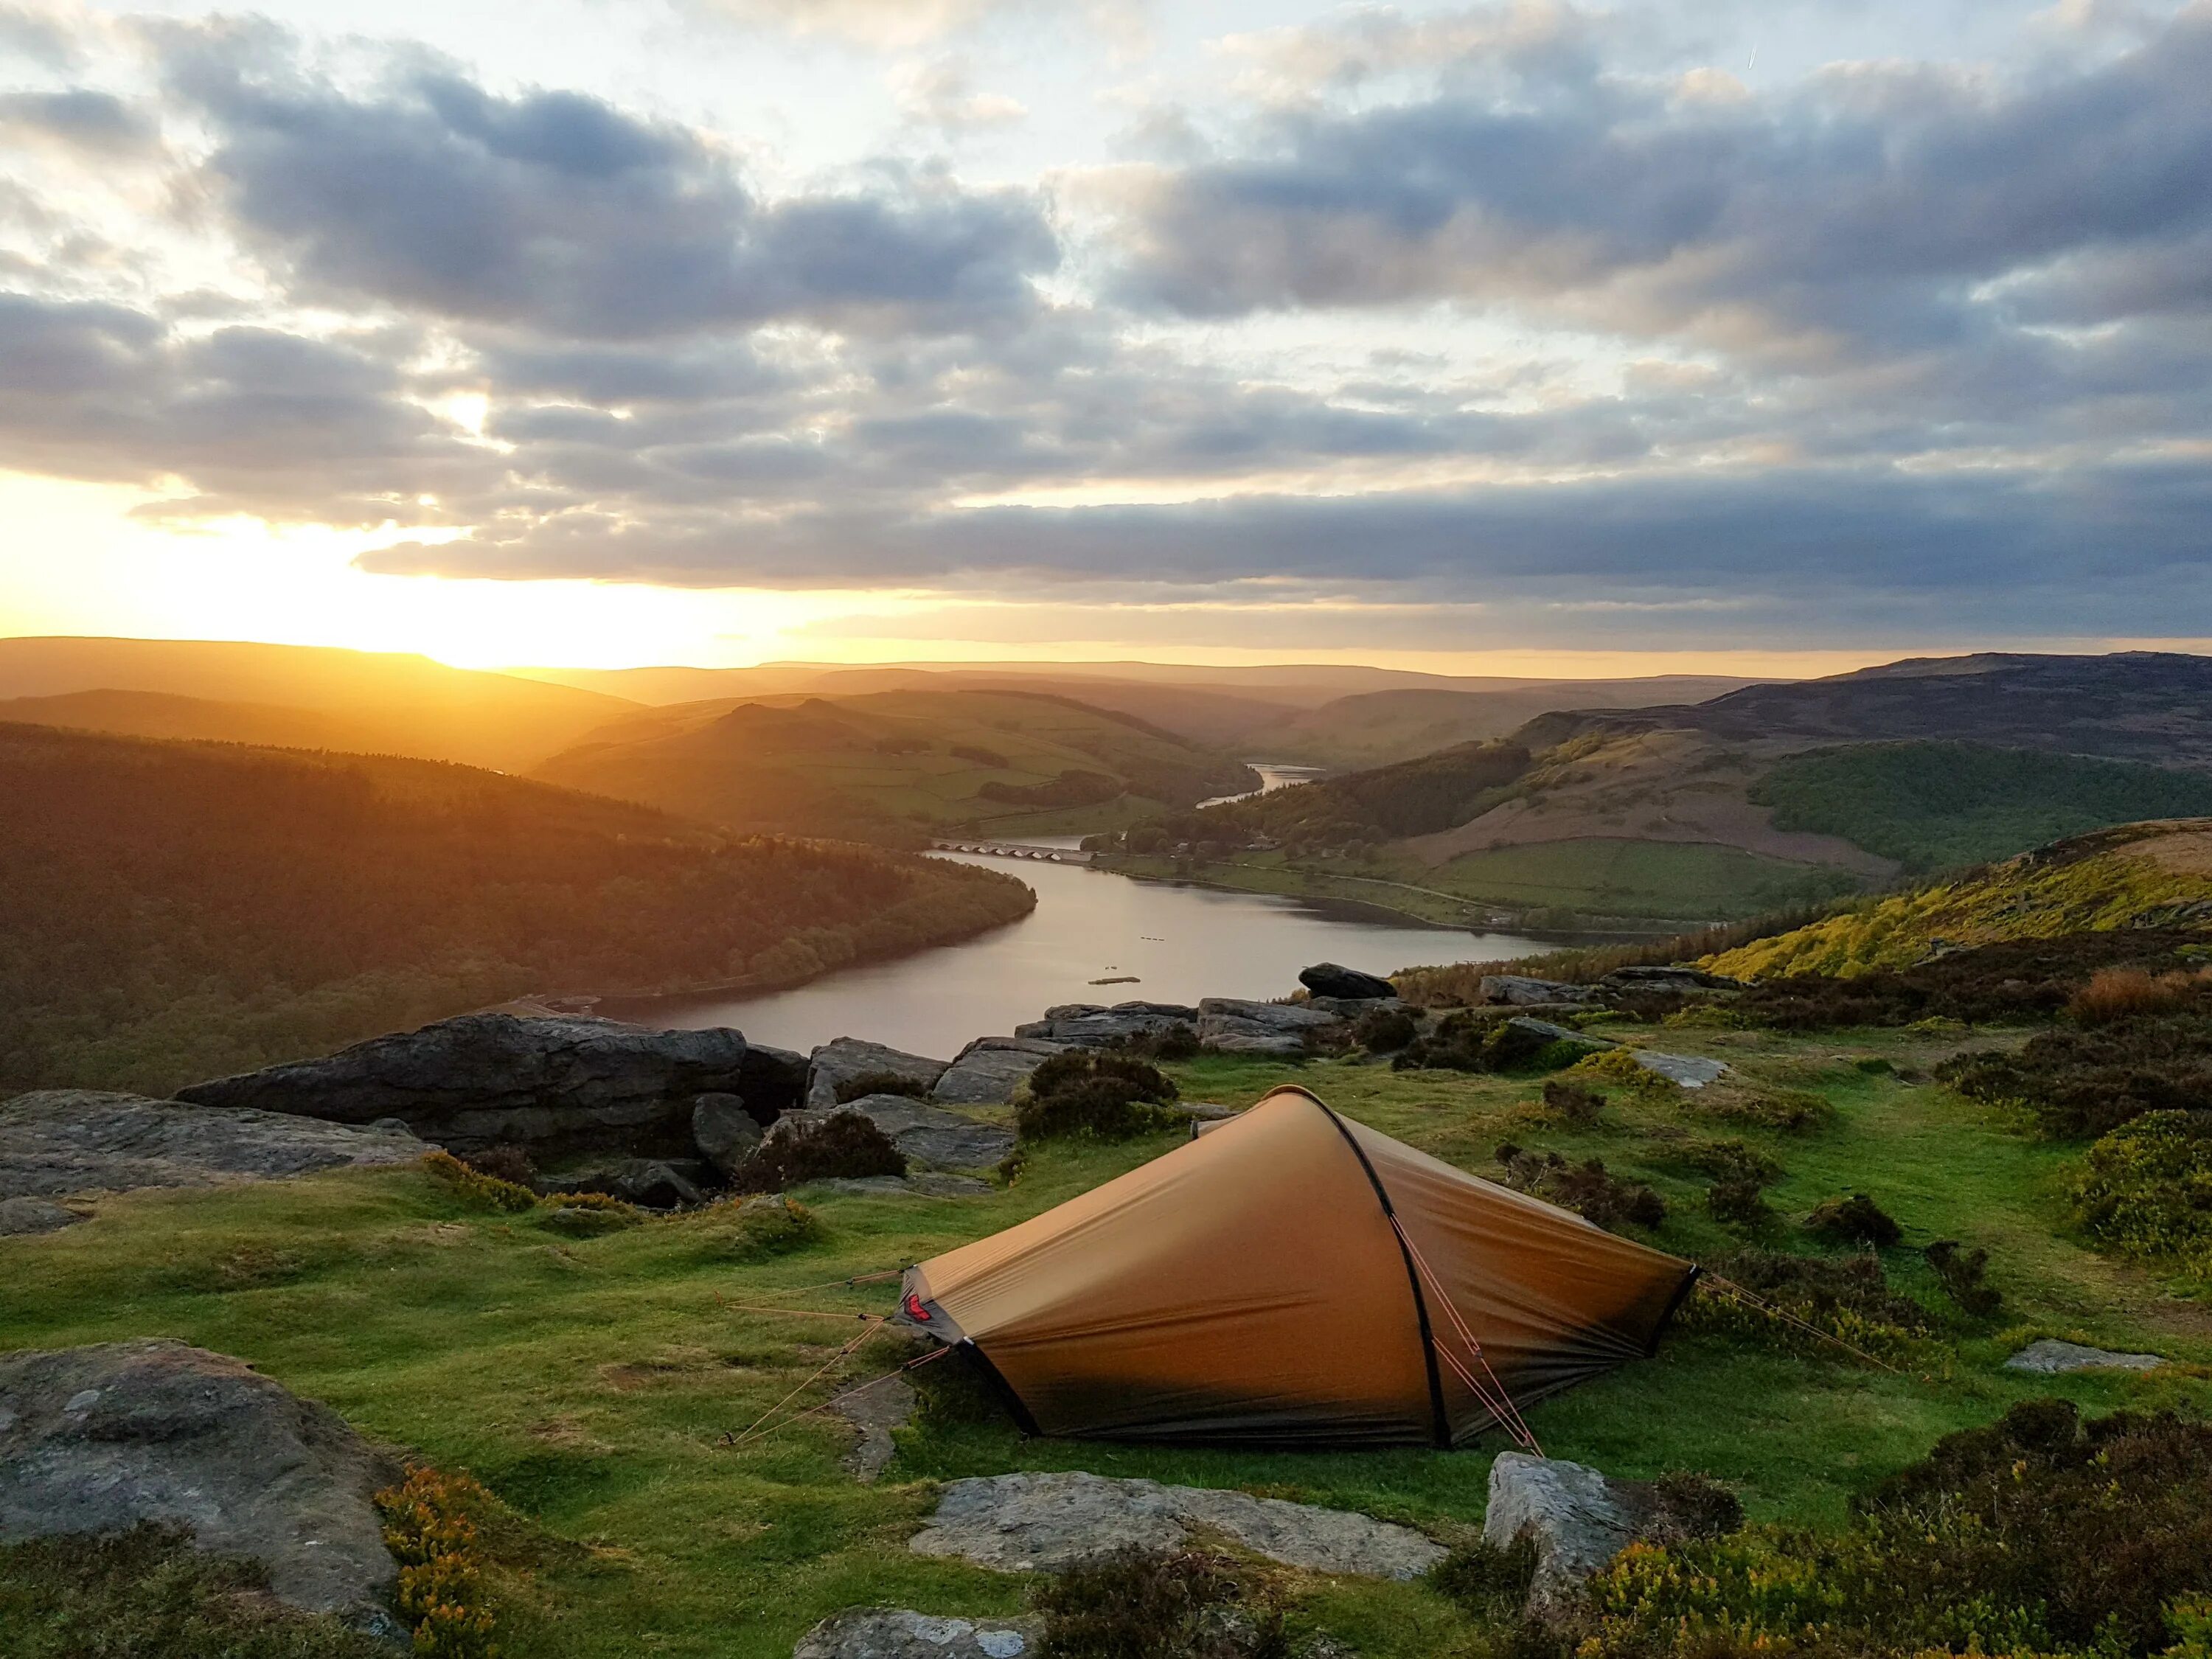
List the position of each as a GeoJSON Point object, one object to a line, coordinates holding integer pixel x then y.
{"type": "Point", "coordinates": [1519, 991]}
{"type": "Point", "coordinates": [900, 1633]}
{"type": "Point", "coordinates": [1091, 1025]}
{"type": "Point", "coordinates": [58, 1141]}
{"type": "Point", "coordinates": [934, 1135]}
{"type": "Point", "coordinates": [479, 1079]}
{"type": "Point", "coordinates": [845, 1059]}
{"type": "Point", "coordinates": [988, 1069]}
{"type": "Point", "coordinates": [98, 1439]}
{"type": "Point", "coordinates": [1690, 1070]}
{"type": "Point", "coordinates": [884, 1405]}
{"type": "Point", "coordinates": [1574, 1516]}
{"type": "Point", "coordinates": [2051, 1358]}
{"type": "Point", "coordinates": [1048, 1523]}
{"type": "Point", "coordinates": [927, 1183]}
{"type": "Point", "coordinates": [1233, 1025]}
{"type": "Point", "coordinates": [19, 1216]}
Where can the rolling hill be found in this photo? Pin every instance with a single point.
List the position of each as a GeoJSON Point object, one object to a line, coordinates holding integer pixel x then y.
{"type": "Point", "coordinates": [898, 765]}
{"type": "Point", "coordinates": [308, 695]}
{"type": "Point", "coordinates": [178, 911]}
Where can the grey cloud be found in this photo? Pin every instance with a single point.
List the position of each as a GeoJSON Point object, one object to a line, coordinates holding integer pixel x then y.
{"type": "Point", "coordinates": [80, 119]}
{"type": "Point", "coordinates": [39, 36]}
{"type": "Point", "coordinates": [556, 212]}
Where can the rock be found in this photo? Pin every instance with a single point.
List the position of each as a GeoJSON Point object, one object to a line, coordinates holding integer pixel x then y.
{"type": "Point", "coordinates": [480, 1080]}
{"type": "Point", "coordinates": [1089, 1025]}
{"type": "Point", "coordinates": [2051, 1358]}
{"type": "Point", "coordinates": [1208, 1111]}
{"type": "Point", "coordinates": [847, 1058]}
{"type": "Point", "coordinates": [771, 1082]}
{"type": "Point", "coordinates": [1030, 1522]}
{"type": "Point", "coordinates": [1232, 1025]}
{"type": "Point", "coordinates": [1669, 979]}
{"type": "Point", "coordinates": [932, 1136]}
{"type": "Point", "coordinates": [899, 1634]}
{"type": "Point", "coordinates": [1357, 1008]}
{"type": "Point", "coordinates": [1329, 979]}
{"type": "Point", "coordinates": [1518, 991]}
{"type": "Point", "coordinates": [929, 1183]}
{"type": "Point", "coordinates": [58, 1141]}
{"type": "Point", "coordinates": [723, 1130]}
{"type": "Point", "coordinates": [651, 1183]}
{"type": "Point", "coordinates": [34, 1215]}
{"type": "Point", "coordinates": [1577, 1520]}
{"type": "Point", "coordinates": [1521, 1039]}
{"type": "Point", "coordinates": [99, 1439]}
{"type": "Point", "coordinates": [988, 1069]}
{"type": "Point", "coordinates": [884, 1405]}
{"type": "Point", "coordinates": [1690, 1070]}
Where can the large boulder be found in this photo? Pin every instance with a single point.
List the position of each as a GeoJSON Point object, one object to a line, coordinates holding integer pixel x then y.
{"type": "Point", "coordinates": [1329, 979]}
{"type": "Point", "coordinates": [771, 1081]}
{"type": "Point", "coordinates": [651, 1183]}
{"type": "Point", "coordinates": [932, 1136]}
{"type": "Point", "coordinates": [1232, 1025]}
{"type": "Point", "coordinates": [480, 1080]}
{"type": "Point", "coordinates": [724, 1130]}
{"type": "Point", "coordinates": [1576, 1518]}
{"type": "Point", "coordinates": [843, 1060]}
{"type": "Point", "coordinates": [902, 1633]}
{"type": "Point", "coordinates": [1048, 1522]}
{"type": "Point", "coordinates": [34, 1215]}
{"type": "Point", "coordinates": [58, 1141]}
{"type": "Point", "coordinates": [1520, 991]}
{"type": "Point", "coordinates": [1093, 1025]}
{"type": "Point", "coordinates": [99, 1439]}
{"type": "Point", "coordinates": [988, 1069]}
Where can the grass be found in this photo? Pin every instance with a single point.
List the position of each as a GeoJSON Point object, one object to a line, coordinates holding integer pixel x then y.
{"type": "Point", "coordinates": [588, 1382]}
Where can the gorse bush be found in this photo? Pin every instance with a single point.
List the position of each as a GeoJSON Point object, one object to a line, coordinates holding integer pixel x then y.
{"type": "Point", "coordinates": [832, 1145]}
{"type": "Point", "coordinates": [2146, 1188]}
{"type": "Point", "coordinates": [1101, 1096]}
{"type": "Point", "coordinates": [2081, 1082]}
{"type": "Point", "coordinates": [487, 1192]}
{"type": "Point", "coordinates": [430, 1527]}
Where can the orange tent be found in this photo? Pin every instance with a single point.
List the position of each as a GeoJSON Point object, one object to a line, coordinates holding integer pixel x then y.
{"type": "Point", "coordinates": [1294, 1277]}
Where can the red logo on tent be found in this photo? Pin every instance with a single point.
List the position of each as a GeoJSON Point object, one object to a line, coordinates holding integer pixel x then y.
{"type": "Point", "coordinates": [915, 1310]}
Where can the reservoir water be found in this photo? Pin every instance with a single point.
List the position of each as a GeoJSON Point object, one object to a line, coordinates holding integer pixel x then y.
{"type": "Point", "coordinates": [1163, 942]}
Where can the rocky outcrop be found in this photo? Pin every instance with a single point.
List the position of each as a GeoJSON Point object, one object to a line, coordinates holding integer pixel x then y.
{"type": "Point", "coordinates": [20, 1216]}
{"type": "Point", "coordinates": [933, 1136]}
{"type": "Point", "coordinates": [1231, 1026]}
{"type": "Point", "coordinates": [1575, 1517]}
{"type": "Point", "coordinates": [1668, 979]}
{"type": "Point", "coordinates": [2053, 1357]}
{"type": "Point", "coordinates": [1329, 979]}
{"type": "Point", "coordinates": [845, 1059]}
{"type": "Point", "coordinates": [927, 1184]}
{"type": "Point", "coordinates": [771, 1081]}
{"type": "Point", "coordinates": [901, 1633]}
{"type": "Point", "coordinates": [1048, 1523]}
{"type": "Point", "coordinates": [988, 1069]}
{"type": "Point", "coordinates": [1689, 1071]}
{"type": "Point", "coordinates": [651, 1183]}
{"type": "Point", "coordinates": [480, 1080]}
{"type": "Point", "coordinates": [59, 1141]}
{"type": "Point", "coordinates": [1519, 991]}
{"type": "Point", "coordinates": [99, 1439]}
{"type": "Point", "coordinates": [1092, 1026]}
{"type": "Point", "coordinates": [723, 1130]}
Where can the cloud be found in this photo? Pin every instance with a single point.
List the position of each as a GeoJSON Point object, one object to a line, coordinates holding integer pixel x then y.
{"type": "Point", "coordinates": [941, 94]}
{"type": "Point", "coordinates": [556, 212]}
{"type": "Point", "coordinates": [895, 24]}
{"type": "Point", "coordinates": [96, 123]}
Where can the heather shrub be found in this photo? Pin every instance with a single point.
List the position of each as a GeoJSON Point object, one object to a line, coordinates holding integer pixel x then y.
{"type": "Point", "coordinates": [1960, 1273]}
{"type": "Point", "coordinates": [1586, 1188]}
{"type": "Point", "coordinates": [746, 1230]}
{"type": "Point", "coordinates": [504, 1162]}
{"type": "Point", "coordinates": [1727, 1160]}
{"type": "Point", "coordinates": [1139, 1604]}
{"type": "Point", "coordinates": [2079, 1082]}
{"type": "Point", "coordinates": [484, 1192]}
{"type": "Point", "coordinates": [1847, 1298]}
{"type": "Point", "coordinates": [1856, 1219]}
{"type": "Point", "coordinates": [1738, 1204]}
{"type": "Point", "coordinates": [1789, 1111]}
{"type": "Point", "coordinates": [832, 1145]}
{"type": "Point", "coordinates": [1576, 1102]}
{"type": "Point", "coordinates": [1106, 1096]}
{"type": "Point", "coordinates": [2146, 1188]}
{"type": "Point", "coordinates": [1384, 1030]}
{"type": "Point", "coordinates": [2124, 993]}
{"type": "Point", "coordinates": [1484, 1580]}
{"type": "Point", "coordinates": [1456, 1044]}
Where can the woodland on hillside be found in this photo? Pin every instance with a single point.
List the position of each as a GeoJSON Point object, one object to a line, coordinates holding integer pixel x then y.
{"type": "Point", "coordinates": [177, 911]}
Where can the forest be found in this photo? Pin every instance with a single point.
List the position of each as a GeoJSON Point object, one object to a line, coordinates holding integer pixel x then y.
{"type": "Point", "coordinates": [181, 910]}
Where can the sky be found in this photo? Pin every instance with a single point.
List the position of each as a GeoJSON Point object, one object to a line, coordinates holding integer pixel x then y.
{"type": "Point", "coordinates": [1752, 336]}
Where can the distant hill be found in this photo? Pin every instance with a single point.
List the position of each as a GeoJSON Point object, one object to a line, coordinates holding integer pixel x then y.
{"type": "Point", "coordinates": [898, 765]}
{"type": "Point", "coordinates": [2140, 875]}
{"type": "Point", "coordinates": [177, 910]}
{"type": "Point", "coordinates": [164, 715]}
{"type": "Point", "coordinates": [380, 703]}
{"type": "Point", "coordinates": [2151, 706]}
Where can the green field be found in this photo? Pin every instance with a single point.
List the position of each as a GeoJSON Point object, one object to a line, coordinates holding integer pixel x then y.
{"type": "Point", "coordinates": [588, 1382]}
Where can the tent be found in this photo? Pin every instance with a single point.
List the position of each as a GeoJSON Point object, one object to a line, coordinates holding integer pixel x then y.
{"type": "Point", "coordinates": [1294, 1278]}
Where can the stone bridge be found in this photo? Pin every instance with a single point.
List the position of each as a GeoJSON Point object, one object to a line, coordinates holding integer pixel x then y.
{"type": "Point", "coordinates": [1014, 849]}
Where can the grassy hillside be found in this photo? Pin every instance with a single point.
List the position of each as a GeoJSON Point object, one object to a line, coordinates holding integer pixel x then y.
{"type": "Point", "coordinates": [2137, 876]}
{"type": "Point", "coordinates": [176, 911]}
{"type": "Point", "coordinates": [1941, 805]}
{"type": "Point", "coordinates": [591, 1383]}
{"type": "Point", "coordinates": [375, 702]}
{"type": "Point", "coordinates": [1411, 798]}
{"type": "Point", "coordinates": [898, 764]}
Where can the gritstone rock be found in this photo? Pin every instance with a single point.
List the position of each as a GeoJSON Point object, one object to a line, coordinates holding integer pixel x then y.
{"type": "Point", "coordinates": [1518, 991]}
{"type": "Point", "coordinates": [932, 1135]}
{"type": "Point", "coordinates": [901, 1633]}
{"type": "Point", "coordinates": [723, 1130]}
{"type": "Point", "coordinates": [988, 1069]}
{"type": "Point", "coordinates": [58, 1141]}
{"type": "Point", "coordinates": [1093, 1025]}
{"type": "Point", "coordinates": [1329, 979]}
{"type": "Point", "coordinates": [2051, 1358]}
{"type": "Point", "coordinates": [1031, 1522]}
{"type": "Point", "coordinates": [480, 1080]}
{"type": "Point", "coordinates": [1576, 1518]}
{"type": "Point", "coordinates": [99, 1439]}
{"type": "Point", "coordinates": [847, 1058]}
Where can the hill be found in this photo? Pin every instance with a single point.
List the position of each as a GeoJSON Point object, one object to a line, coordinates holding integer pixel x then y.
{"type": "Point", "coordinates": [182, 910]}
{"type": "Point", "coordinates": [376, 701]}
{"type": "Point", "coordinates": [896, 765]}
{"type": "Point", "coordinates": [2138, 875]}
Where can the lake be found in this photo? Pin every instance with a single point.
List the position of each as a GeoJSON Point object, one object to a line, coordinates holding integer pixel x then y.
{"type": "Point", "coordinates": [1168, 942]}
